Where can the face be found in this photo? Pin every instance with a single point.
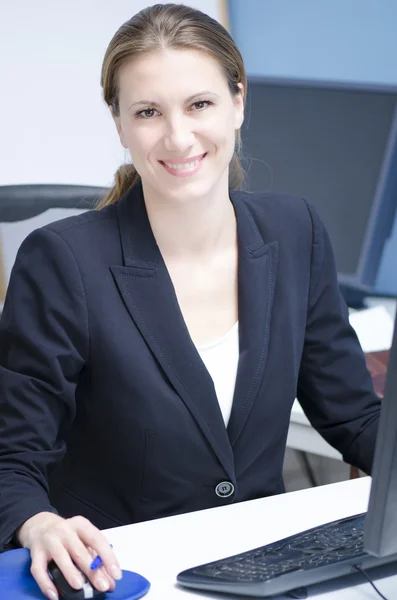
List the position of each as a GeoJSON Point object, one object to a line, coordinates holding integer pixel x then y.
{"type": "Point", "coordinates": [178, 119]}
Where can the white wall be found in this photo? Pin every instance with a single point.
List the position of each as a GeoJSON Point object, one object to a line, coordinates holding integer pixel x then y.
{"type": "Point", "coordinates": [54, 125]}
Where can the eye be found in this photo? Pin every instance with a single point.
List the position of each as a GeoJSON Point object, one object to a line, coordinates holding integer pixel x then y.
{"type": "Point", "coordinates": [146, 113]}
{"type": "Point", "coordinates": [201, 104]}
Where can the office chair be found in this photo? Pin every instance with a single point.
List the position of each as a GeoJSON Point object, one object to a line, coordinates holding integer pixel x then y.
{"type": "Point", "coordinates": [20, 202]}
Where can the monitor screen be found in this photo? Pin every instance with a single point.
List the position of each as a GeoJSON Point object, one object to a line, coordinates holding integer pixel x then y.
{"type": "Point", "coordinates": [331, 144]}
{"type": "Point", "coordinates": [380, 533]}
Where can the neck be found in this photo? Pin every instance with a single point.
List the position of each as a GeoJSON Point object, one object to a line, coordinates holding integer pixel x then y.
{"type": "Point", "coordinates": [193, 228]}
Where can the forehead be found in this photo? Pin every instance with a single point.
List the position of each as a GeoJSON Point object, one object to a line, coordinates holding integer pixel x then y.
{"type": "Point", "coordinates": [171, 73]}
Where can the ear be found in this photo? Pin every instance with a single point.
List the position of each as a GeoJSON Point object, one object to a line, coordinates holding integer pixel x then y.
{"type": "Point", "coordinates": [117, 121]}
{"type": "Point", "coordinates": [239, 104]}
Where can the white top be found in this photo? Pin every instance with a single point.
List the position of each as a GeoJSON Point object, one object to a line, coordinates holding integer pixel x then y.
{"type": "Point", "coordinates": [221, 359]}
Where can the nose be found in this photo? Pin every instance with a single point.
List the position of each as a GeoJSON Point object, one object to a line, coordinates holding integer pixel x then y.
{"type": "Point", "coordinates": [179, 135]}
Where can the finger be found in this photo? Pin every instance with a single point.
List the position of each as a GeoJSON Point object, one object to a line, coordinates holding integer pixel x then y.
{"type": "Point", "coordinates": [82, 556]}
{"type": "Point", "coordinates": [112, 583]}
{"type": "Point", "coordinates": [40, 573]}
{"type": "Point", "coordinates": [61, 557]}
{"type": "Point", "coordinates": [91, 536]}
{"type": "Point", "coordinates": [101, 573]}
{"type": "Point", "coordinates": [104, 570]}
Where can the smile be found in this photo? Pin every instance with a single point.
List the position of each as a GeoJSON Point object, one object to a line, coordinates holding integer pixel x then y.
{"type": "Point", "coordinates": [186, 167]}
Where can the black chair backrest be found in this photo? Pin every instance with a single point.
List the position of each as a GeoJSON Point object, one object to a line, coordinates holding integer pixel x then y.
{"type": "Point", "coordinates": [19, 202]}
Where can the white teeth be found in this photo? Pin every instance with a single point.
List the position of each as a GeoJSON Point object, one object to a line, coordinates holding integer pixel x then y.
{"type": "Point", "coordinates": [183, 166]}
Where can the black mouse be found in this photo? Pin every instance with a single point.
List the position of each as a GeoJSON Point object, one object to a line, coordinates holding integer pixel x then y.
{"type": "Point", "coordinates": [66, 592]}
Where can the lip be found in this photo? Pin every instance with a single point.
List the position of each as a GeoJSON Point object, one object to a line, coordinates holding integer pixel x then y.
{"type": "Point", "coordinates": [185, 172]}
{"type": "Point", "coordinates": [182, 161]}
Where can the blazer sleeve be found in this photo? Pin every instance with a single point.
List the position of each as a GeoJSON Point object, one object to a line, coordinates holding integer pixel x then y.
{"type": "Point", "coordinates": [334, 387]}
{"type": "Point", "coordinates": [43, 348]}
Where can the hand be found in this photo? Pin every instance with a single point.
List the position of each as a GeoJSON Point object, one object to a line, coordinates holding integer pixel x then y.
{"type": "Point", "coordinates": [69, 542]}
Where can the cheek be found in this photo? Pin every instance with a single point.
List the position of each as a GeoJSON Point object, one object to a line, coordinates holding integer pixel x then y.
{"type": "Point", "coordinates": [141, 142]}
{"type": "Point", "coordinates": [220, 128]}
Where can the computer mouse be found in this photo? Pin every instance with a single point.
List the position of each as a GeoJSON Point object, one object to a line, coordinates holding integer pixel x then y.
{"type": "Point", "coordinates": [66, 592]}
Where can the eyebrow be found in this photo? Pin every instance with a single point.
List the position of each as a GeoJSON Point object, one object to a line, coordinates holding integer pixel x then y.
{"type": "Point", "coordinates": [189, 99]}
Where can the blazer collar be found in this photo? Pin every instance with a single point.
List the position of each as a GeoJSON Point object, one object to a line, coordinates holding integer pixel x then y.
{"type": "Point", "coordinates": [149, 295]}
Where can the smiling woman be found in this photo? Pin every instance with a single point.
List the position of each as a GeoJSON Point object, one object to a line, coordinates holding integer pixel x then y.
{"type": "Point", "coordinates": [151, 350]}
{"type": "Point", "coordinates": [181, 69]}
{"type": "Point", "coordinates": [181, 131]}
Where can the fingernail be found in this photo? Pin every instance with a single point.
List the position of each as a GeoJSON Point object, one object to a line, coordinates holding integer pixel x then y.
{"type": "Point", "coordinates": [115, 572]}
{"type": "Point", "coordinates": [51, 595]}
{"type": "Point", "coordinates": [77, 582]}
{"type": "Point", "coordinates": [101, 585]}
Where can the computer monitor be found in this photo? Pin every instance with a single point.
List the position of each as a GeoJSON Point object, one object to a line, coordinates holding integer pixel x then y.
{"type": "Point", "coordinates": [380, 531]}
{"type": "Point", "coordinates": [335, 145]}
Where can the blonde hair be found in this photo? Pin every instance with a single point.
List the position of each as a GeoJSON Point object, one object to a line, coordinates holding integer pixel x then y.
{"type": "Point", "coordinates": [169, 26]}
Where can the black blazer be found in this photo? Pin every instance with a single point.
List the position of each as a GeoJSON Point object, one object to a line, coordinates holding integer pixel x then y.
{"type": "Point", "coordinates": [106, 407]}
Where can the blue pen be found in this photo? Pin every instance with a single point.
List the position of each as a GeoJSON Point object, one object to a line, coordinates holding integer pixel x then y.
{"type": "Point", "coordinates": [97, 562]}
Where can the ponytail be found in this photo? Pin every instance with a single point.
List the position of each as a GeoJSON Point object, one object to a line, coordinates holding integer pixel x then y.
{"type": "Point", "coordinates": [126, 176]}
{"type": "Point", "coordinates": [236, 173]}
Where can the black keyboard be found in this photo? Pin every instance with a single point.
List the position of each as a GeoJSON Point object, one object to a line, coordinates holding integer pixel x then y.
{"type": "Point", "coordinates": [308, 557]}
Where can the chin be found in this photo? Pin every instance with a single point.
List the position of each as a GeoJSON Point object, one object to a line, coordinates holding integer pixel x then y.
{"type": "Point", "coordinates": [187, 190]}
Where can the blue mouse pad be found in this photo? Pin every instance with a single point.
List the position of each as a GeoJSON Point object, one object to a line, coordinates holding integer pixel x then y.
{"type": "Point", "coordinates": [17, 583]}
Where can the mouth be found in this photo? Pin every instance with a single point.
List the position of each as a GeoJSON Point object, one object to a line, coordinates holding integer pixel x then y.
{"type": "Point", "coordinates": [185, 167]}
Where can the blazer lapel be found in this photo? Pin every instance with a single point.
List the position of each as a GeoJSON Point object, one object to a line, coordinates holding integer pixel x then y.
{"type": "Point", "coordinates": [147, 290]}
{"type": "Point", "coordinates": [256, 283]}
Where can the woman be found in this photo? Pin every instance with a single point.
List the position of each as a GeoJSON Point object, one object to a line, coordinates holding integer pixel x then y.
{"type": "Point", "coordinates": [151, 350]}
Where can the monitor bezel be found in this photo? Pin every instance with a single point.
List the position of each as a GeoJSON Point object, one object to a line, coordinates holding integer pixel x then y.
{"type": "Point", "coordinates": [380, 529]}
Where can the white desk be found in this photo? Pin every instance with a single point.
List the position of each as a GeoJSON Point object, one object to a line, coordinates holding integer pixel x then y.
{"type": "Point", "coordinates": [160, 549]}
